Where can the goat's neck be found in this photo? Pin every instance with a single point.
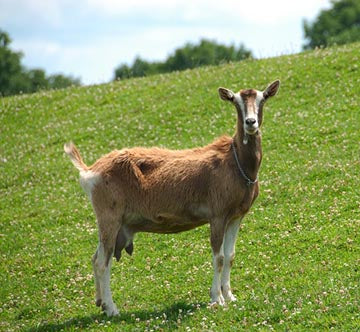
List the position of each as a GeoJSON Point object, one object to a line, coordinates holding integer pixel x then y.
{"type": "Point", "coordinates": [249, 151]}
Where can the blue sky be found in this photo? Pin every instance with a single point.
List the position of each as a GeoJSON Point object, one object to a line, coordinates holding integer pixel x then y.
{"type": "Point", "coordinates": [90, 38]}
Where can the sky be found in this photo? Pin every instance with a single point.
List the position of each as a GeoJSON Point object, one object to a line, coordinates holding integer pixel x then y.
{"type": "Point", "coordinates": [88, 39]}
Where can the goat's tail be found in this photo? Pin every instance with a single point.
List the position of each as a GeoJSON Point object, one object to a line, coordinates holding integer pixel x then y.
{"type": "Point", "coordinates": [75, 156]}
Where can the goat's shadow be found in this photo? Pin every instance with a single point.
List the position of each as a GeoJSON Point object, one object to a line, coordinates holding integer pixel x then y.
{"type": "Point", "coordinates": [133, 317]}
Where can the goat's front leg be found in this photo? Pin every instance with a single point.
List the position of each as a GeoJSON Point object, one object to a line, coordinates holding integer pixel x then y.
{"type": "Point", "coordinates": [217, 239]}
{"type": "Point", "coordinates": [229, 254]}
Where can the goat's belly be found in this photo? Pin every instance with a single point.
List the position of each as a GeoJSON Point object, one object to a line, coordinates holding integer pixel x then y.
{"type": "Point", "coordinates": [163, 223]}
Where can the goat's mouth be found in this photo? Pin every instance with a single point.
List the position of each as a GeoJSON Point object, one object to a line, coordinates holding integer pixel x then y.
{"type": "Point", "coordinates": [251, 130]}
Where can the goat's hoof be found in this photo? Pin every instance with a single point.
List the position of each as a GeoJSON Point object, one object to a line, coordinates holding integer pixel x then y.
{"type": "Point", "coordinates": [219, 302]}
{"type": "Point", "coordinates": [230, 297]}
{"type": "Point", "coordinates": [215, 305]}
{"type": "Point", "coordinates": [113, 312]}
{"type": "Point", "coordinates": [98, 302]}
{"type": "Point", "coordinates": [110, 310]}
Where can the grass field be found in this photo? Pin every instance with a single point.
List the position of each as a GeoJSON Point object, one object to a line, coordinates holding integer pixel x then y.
{"type": "Point", "coordinates": [298, 252]}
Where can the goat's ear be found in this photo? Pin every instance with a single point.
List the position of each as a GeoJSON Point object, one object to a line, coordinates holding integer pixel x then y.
{"type": "Point", "coordinates": [272, 89]}
{"type": "Point", "coordinates": [226, 94]}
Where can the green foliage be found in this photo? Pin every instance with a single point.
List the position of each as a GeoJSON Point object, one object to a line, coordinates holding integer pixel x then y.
{"type": "Point", "coordinates": [15, 79]}
{"type": "Point", "coordinates": [337, 25]}
{"type": "Point", "coordinates": [11, 72]}
{"type": "Point", "coordinates": [37, 79]}
{"type": "Point", "coordinates": [123, 72]}
{"type": "Point", "coordinates": [58, 81]}
{"type": "Point", "coordinates": [187, 57]}
{"type": "Point", "coordinates": [297, 254]}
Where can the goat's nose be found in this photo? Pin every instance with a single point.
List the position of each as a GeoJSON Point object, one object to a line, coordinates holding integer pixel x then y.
{"type": "Point", "coordinates": [250, 121]}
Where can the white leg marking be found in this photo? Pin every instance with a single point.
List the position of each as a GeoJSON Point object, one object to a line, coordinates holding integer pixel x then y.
{"type": "Point", "coordinates": [215, 292]}
{"type": "Point", "coordinates": [229, 254]}
{"type": "Point", "coordinates": [102, 273]}
{"type": "Point", "coordinates": [97, 281]}
{"type": "Point", "coordinates": [110, 306]}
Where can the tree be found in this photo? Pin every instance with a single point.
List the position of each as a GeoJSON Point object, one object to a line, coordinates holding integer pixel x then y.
{"type": "Point", "coordinates": [337, 25]}
{"type": "Point", "coordinates": [38, 80]}
{"type": "Point", "coordinates": [140, 67]}
{"type": "Point", "coordinates": [59, 81]}
{"type": "Point", "coordinates": [123, 72]}
{"type": "Point", "coordinates": [207, 52]}
{"type": "Point", "coordinates": [14, 78]}
{"type": "Point", "coordinates": [11, 72]}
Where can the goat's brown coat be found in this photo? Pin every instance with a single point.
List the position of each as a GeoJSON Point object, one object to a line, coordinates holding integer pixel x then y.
{"type": "Point", "coordinates": [169, 191]}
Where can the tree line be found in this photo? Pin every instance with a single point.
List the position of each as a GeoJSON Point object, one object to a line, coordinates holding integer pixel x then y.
{"type": "Point", "coordinates": [206, 52]}
{"type": "Point", "coordinates": [339, 24]}
{"type": "Point", "coordinates": [15, 78]}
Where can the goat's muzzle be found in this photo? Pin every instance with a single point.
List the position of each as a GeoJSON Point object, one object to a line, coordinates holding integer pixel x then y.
{"type": "Point", "coordinates": [251, 126]}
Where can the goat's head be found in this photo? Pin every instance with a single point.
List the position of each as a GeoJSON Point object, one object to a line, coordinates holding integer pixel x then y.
{"type": "Point", "coordinates": [249, 104]}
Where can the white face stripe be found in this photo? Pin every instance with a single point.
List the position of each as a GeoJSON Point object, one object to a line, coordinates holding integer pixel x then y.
{"type": "Point", "coordinates": [259, 97]}
{"type": "Point", "coordinates": [240, 102]}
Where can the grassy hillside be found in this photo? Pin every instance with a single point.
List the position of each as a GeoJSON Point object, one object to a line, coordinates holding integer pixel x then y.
{"type": "Point", "coordinates": [298, 252]}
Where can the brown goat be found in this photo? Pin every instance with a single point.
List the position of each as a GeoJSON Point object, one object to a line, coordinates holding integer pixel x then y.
{"type": "Point", "coordinates": [169, 191]}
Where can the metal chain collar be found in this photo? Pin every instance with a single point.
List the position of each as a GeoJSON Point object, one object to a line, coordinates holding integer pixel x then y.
{"type": "Point", "coordinates": [247, 179]}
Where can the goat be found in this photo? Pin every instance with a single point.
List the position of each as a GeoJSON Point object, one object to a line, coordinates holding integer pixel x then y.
{"type": "Point", "coordinates": [170, 191]}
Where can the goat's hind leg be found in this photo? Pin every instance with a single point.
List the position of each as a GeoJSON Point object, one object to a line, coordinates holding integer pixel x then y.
{"type": "Point", "coordinates": [102, 265]}
{"type": "Point", "coordinates": [97, 279]}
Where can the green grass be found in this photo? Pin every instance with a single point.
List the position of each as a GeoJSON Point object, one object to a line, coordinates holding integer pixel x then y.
{"type": "Point", "coordinates": [298, 252]}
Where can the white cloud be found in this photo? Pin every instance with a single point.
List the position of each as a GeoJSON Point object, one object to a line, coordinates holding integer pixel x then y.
{"type": "Point", "coordinates": [38, 48]}
{"type": "Point", "coordinates": [256, 11]}
{"type": "Point", "coordinates": [116, 7]}
{"type": "Point", "coordinates": [23, 11]}
{"type": "Point", "coordinates": [277, 11]}
{"type": "Point", "coordinates": [89, 38]}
